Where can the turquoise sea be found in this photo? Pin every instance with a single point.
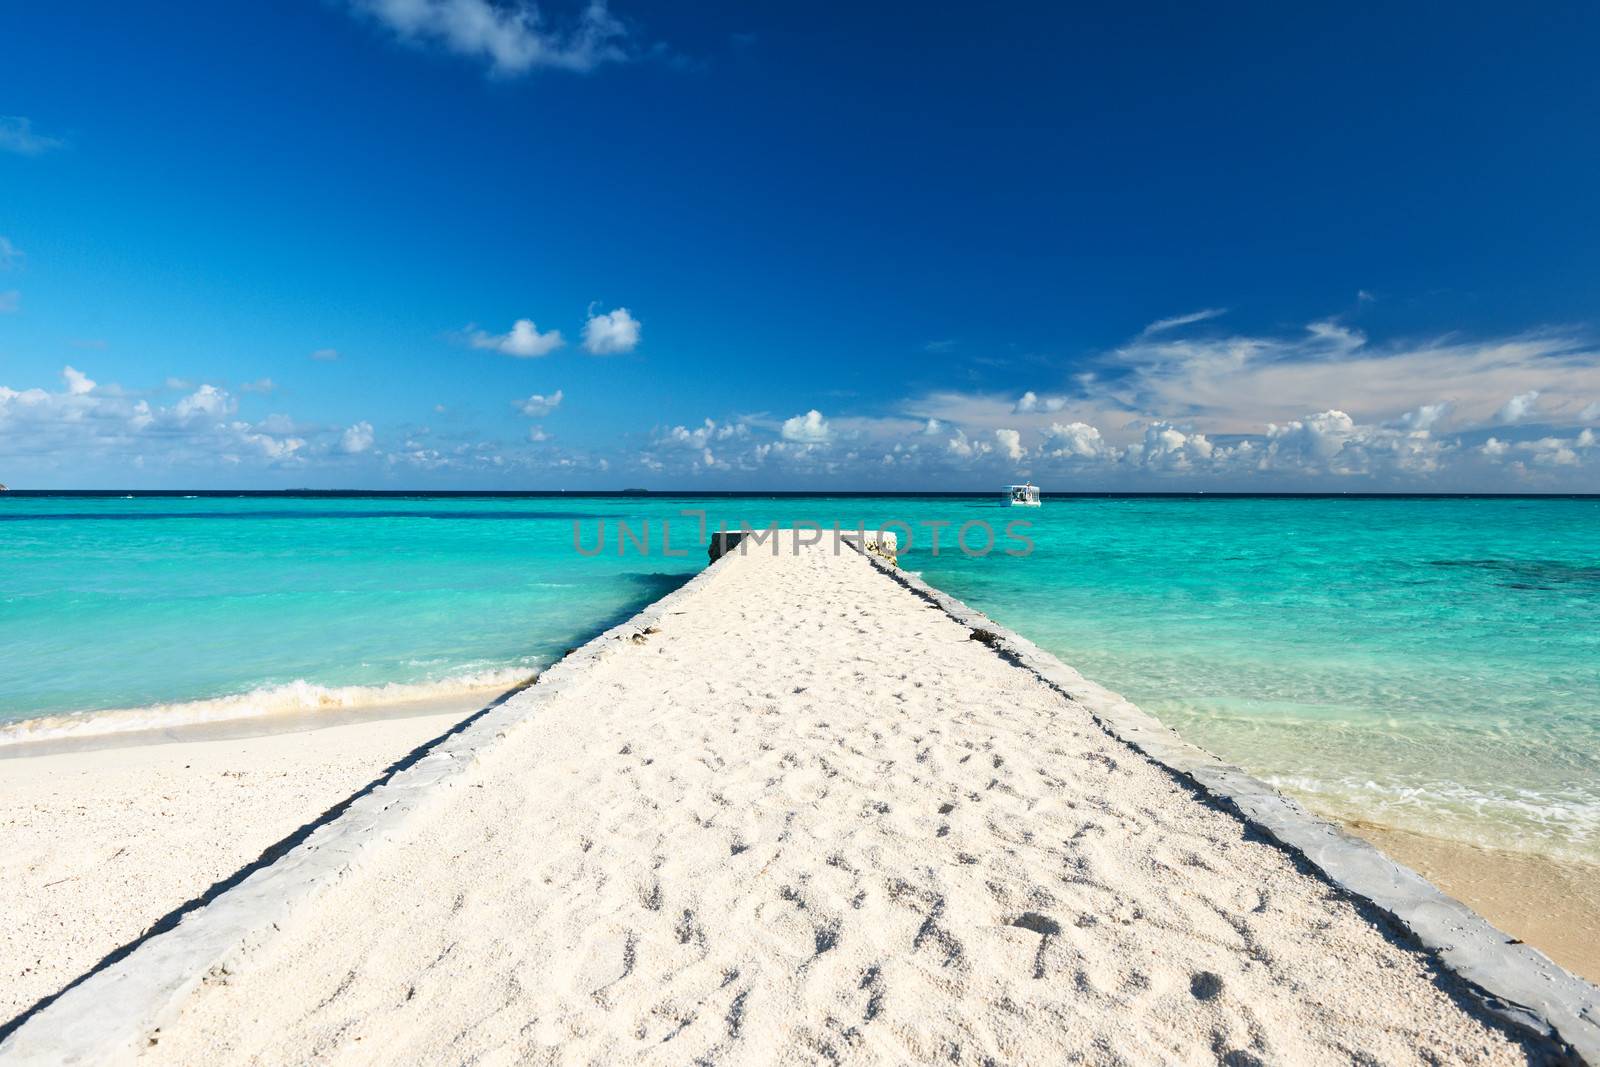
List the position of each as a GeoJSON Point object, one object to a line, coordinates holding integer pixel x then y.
{"type": "Point", "coordinates": [1426, 663]}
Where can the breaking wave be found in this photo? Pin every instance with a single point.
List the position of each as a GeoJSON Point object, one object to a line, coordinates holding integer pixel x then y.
{"type": "Point", "coordinates": [297, 697]}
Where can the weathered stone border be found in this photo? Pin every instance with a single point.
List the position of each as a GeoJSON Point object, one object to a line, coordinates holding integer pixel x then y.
{"type": "Point", "coordinates": [1513, 982]}
{"type": "Point", "coordinates": [109, 1014]}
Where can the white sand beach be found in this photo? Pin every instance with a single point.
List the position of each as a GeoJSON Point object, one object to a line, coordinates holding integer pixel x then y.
{"type": "Point", "coordinates": [100, 842]}
{"type": "Point", "coordinates": [810, 818]}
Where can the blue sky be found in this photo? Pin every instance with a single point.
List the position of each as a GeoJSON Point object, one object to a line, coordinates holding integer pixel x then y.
{"type": "Point", "coordinates": [330, 244]}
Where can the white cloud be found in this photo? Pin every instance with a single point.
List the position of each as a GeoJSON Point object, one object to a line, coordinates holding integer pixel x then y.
{"type": "Point", "coordinates": [207, 400]}
{"type": "Point", "coordinates": [810, 428]}
{"type": "Point", "coordinates": [1031, 401]}
{"type": "Point", "coordinates": [689, 450]}
{"type": "Point", "coordinates": [524, 341]}
{"type": "Point", "coordinates": [1331, 442]}
{"type": "Point", "coordinates": [1167, 448]}
{"type": "Point", "coordinates": [1163, 325]}
{"type": "Point", "coordinates": [356, 439]}
{"type": "Point", "coordinates": [709, 430]}
{"type": "Point", "coordinates": [1339, 337]}
{"type": "Point", "coordinates": [1316, 438]}
{"type": "Point", "coordinates": [17, 135]}
{"type": "Point", "coordinates": [510, 35]}
{"type": "Point", "coordinates": [611, 333]}
{"type": "Point", "coordinates": [538, 406]}
{"type": "Point", "coordinates": [1518, 407]}
{"type": "Point", "coordinates": [78, 383]}
{"type": "Point", "coordinates": [271, 448]}
{"type": "Point", "coordinates": [81, 432]}
{"type": "Point", "coordinates": [987, 412]}
{"type": "Point", "coordinates": [10, 300]}
{"type": "Point", "coordinates": [1163, 411]}
{"type": "Point", "coordinates": [1425, 417]}
{"type": "Point", "coordinates": [1551, 452]}
{"type": "Point", "coordinates": [1547, 452]}
{"type": "Point", "coordinates": [10, 255]}
{"type": "Point", "coordinates": [961, 445]}
{"type": "Point", "coordinates": [85, 423]}
{"type": "Point", "coordinates": [260, 385]}
{"type": "Point", "coordinates": [1076, 440]}
{"type": "Point", "coordinates": [1235, 384]}
{"type": "Point", "coordinates": [1301, 408]}
{"type": "Point", "coordinates": [695, 438]}
{"type": "Point", "coordinates": [325, 355]}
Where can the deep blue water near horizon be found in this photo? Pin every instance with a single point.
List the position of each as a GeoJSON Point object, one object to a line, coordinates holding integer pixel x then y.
{"type": "Point", "coordinates": [1431, 663]}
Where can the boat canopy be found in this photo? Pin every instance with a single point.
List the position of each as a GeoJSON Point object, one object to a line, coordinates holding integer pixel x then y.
{"type": "Point", "coordinates": [1027, 493]}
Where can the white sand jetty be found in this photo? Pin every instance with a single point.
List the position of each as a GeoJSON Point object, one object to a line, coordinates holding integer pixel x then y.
{"type": "Point", "coordinates": [803, 810]}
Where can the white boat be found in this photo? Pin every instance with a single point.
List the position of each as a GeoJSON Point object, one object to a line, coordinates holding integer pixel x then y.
{"type": "Point", "coordinates": [1023, 496]}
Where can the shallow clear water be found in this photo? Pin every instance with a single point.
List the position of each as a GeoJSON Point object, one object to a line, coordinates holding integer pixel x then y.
{"type": "Point", "coordinates": [1426, 663]}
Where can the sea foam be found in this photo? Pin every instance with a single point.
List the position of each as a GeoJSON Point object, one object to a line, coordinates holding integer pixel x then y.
{"type": "Point", "coordinates": [296, 697]}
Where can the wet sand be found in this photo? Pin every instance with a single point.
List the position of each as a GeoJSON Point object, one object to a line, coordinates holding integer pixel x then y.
{"type": "Point", "coordinates": [1553, 905]}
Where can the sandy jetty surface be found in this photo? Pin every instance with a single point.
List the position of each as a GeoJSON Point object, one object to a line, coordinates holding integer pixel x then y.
{"type": "Point", "coordinates": [809, 818]}
{"type": "Point", "coordinates": [100, 842]}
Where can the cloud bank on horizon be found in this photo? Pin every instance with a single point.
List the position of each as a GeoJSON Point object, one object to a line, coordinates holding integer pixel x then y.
{"type": "Point", "coordinates": [1323, 409]}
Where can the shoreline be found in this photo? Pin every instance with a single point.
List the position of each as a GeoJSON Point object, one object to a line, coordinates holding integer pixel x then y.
{"type": "Point", "coordinates": [1551, 904]}
{"type": "Point", "coordinates": [269, 724]}
{"type": "Point", "coordinates": [292, 705]}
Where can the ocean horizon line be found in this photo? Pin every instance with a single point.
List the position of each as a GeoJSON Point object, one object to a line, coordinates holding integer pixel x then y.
{"type": "Point", "coordinates": [952, 494]}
